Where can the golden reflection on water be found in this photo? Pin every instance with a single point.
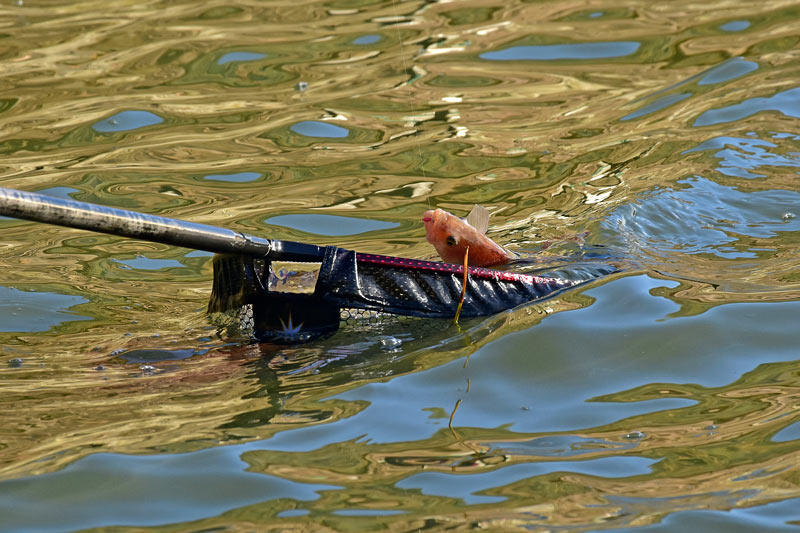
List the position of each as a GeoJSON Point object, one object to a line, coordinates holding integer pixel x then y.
{"type": "Point", "coordinates": [565, 153]}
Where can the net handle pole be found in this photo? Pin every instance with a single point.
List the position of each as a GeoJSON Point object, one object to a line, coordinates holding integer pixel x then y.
{"type": "Point", "coordinates": [123, 223]}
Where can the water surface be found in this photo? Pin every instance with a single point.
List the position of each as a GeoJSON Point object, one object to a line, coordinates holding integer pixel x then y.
{"type": "Point", "coordinates": [661, 398]}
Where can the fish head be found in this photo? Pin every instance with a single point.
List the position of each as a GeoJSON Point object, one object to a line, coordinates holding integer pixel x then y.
{"type": "Point", "coordinates": [447, 233]}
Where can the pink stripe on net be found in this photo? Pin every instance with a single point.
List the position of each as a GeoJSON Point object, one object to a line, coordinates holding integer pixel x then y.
{"type": "Point", "coordinates": [438, 266]}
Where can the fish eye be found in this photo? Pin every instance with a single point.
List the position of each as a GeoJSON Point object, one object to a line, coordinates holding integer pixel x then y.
{"type": "Point", "coordinates": [451, 241]}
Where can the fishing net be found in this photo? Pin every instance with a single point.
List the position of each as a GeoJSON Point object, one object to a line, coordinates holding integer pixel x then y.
{"type": "Point", "coordinates": [329, 285]}
{"type": "Point", "coordinates": [345, 286]}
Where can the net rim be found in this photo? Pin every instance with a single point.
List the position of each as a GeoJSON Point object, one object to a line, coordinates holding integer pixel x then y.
{"type": "Point", "coordinates": [439, 266]}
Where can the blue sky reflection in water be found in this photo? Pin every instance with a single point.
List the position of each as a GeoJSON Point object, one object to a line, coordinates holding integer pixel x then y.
{"type": "Point", "coordinates": [552, 52]}
{"type": "Point", "coordinates": [59, 192]}
{"type": "Point", "coordinates": [788, 434]}
{"type": "Point", "coordinates": [468, 488]}
{"type": "Point", "coordinates": [314, 128]}
{"type": "Point", "coordinates": [786, 102]}
{"type": "Point", "coordinates": [726, 71]}
{"type": "Point", "coordinates": [329, 224]}
{"type": "Point", "coordinates": [36, 311]}
{"type": "Point", "coordinates": [729, 70]}
{"type": "Point", "coordinates": [735, 25]}
{"type": "Point", "coordinates": [240, 56]}
{"type": "Point", "coordinates": [367, 39]}
{"type": "Point", "coordinates": [146, 263]}
{"type": "Point", "coordinates": [664, 139]}
{"type": "Point", "coordinates": [238, 177]}
{"type": "Point", "coordinates": [139, 491]}
{"type": "Point", "coordinates": [740, 156]}
{"type": "Point", "coordinates": [127, 120]}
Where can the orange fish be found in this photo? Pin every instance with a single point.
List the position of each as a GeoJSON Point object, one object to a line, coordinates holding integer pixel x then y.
{"type": "Point", "coordinates": [451, 236]}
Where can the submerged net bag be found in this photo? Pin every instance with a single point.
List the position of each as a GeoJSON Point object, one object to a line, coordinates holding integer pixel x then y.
{"type": "Point", "coordinates": [295, 307]}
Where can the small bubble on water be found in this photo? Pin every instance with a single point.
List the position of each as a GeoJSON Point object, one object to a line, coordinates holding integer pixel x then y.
{"type": "Point", "coordinates": [301, 86]}
{"type": "Point", "coordinates": [788, 216]}
{"type": "Point", "coordinates": [116, 352]}
{"type": "Point", "coordinates": [100, 368]}
{"type": "Point", "coordinates": [712, 427]}
{"type": "Point", "coordinates": [635, 435]}
{"type": "Point", "coordinates": [390, 343]}
{"type": "Point", "coordinates": [147, 369]}
{"type": "Point", "coordinates": [15, 363]}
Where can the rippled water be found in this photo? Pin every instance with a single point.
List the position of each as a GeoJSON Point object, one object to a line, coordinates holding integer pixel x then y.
{"type": "Point", "coordinates": [665, 397]}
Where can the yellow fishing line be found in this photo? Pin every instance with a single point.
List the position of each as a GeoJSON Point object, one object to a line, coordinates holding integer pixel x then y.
{"type": "Point", "coordinates": [463, 286]}
{"type": "Point", "coordinates": [452, 415]}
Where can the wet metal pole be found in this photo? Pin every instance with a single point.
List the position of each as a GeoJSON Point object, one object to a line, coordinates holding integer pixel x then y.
{"type": "Point", "coordinates": [123, 223]}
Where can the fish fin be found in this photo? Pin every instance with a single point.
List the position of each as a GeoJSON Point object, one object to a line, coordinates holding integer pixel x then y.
{"type": "Point", "coordinates": [478, 218]}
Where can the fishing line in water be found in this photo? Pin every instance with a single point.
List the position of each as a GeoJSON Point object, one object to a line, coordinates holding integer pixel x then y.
{"type": "Point", "coordinates": [419, 153]}
{"type": "Point", "coordinates": [411, 109]}
{"type": "Point", "coordinates": [466, 255]}
{"type": "Point", "coordinates": [424, 176]}
{"type": "Point", "coordinates": [422, 162]}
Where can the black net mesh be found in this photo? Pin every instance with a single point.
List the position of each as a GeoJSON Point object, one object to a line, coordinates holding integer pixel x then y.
{"type": "Point", "coordinates": [432, 289]}
{"type": "Point", "coordinates": [377, 285]}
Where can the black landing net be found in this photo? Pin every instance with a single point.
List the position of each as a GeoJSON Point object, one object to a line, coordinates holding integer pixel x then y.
{"type": "Point", "coordinates": [289, 306]}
